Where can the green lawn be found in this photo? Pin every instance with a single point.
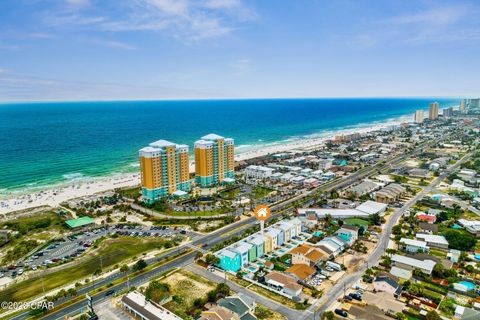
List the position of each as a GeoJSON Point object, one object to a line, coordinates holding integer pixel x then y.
{"type": "Point", "coordinates": [357, 222]}
{"type": "Point", "coordinates": [260, 192]}
{"type": "Point", "coordinates": [132, 193]}
{"type": "Point", "coordinates": [438, 253]}
{"type": "Point", "coordinates": [112, 251]}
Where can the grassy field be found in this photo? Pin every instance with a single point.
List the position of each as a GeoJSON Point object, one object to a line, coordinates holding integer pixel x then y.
{"type": "Point", "coordinates": [197, 213]}
{"type": "Point", "coordinates": [112, 251]}
{"type": "Point", "coordinates": [186, 287]}
{"type": "Point", "coordinates": [132, 193]}
{"type": "Point", "coordinates": [357, 222]}
{"type": "Point", "coordinates": [260, 192]}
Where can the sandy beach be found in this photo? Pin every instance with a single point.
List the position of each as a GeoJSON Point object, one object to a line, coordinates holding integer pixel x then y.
{"type": "Point", "coordinates": [55, 195]}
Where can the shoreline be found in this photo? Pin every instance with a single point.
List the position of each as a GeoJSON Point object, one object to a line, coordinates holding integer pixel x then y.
{"type": "Point", "coordinates": [53, 195]}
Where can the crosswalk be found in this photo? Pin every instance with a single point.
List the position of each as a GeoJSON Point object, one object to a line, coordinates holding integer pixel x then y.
{"type": "Point", "coordinates": [191, 246]}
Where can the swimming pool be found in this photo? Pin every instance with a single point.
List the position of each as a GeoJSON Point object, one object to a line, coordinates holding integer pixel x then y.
{"type": "Point", "coordinates": [281, 250]}
{"type": "Point", "coordinates": [456, 226]}
{"type": "Point", "coordinates": [469, 285]}
{"type": "Point", "coordinates": [252, 268]}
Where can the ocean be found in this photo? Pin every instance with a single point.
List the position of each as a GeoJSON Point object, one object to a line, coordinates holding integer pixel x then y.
{"type": "Point", "coordinates": [44, 144]}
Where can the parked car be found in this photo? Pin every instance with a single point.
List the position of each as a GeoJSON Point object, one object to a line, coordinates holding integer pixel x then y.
{"type": "Point", "coordinates": [109, 292]}
{"type": "Point", "coordinates": [355, 296]}
{"type": "Point", "coordinates": [341, 312]}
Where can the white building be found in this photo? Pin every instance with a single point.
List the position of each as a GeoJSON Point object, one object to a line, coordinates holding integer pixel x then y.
{"type": "Point", "coordinates": [136, 303]}
{"type": "Point", "coordinates": [413, 246]}
{"type": "Point", "coordinates": [426, 266]}
{"type": "Point", "coordinates": [258, 172]}
{"type": "Point", "coordinates": [433, 240]}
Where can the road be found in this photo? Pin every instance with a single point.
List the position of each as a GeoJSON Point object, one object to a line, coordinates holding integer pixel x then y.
{"type": "Point", "coordinates": [289, 313]}
{"type": "Point", "coordinates": [208, 241]}
{"type": "Point", "coordinates": [348, 281]}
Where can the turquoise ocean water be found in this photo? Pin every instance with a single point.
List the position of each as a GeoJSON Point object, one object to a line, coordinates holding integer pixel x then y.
{"type": "Point", "coordinates": [42, 144]}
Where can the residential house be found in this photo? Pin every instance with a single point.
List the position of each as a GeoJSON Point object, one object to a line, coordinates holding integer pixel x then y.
{"type": "Point", "coordinates": [426, 266]}
{"type": "Point", "coordinates": [258, 243]}
{"type": "Point", "coordinates": [435, 241]}
{"type": "Point", "coordinates": [229, 260]}
{"type": "Point", "coordinates": [387, 283]}
{"type": "Point", "coordinates": [286, 228]}
{"type": "Point", "coordinates": [272, 235]}
{"type": "Point", "coordinates": [218, 313]}
{"type": "Point", "coordinates": [283, 283]}
{"type": "Point", "coordinates": [391, 193]}
{"type": "Point", "coordinates": [413, 246]}
{"type": "Point", "coordinates": [472, 226]}
{"type": "Point", "coordinates": [240, 304]}
{"type": "Point", "coordinates": [348, 233]}
{"type": "Point", "coordinates": [308, 255]}
{"type": "Point", "coordinates": [301, 272]}
{"type": "Point", "coordinates": [297, 227]}
{"type": "Point", "coordinates": [401, 273]}
{"type": "Point", "coordinates": [242, 248]}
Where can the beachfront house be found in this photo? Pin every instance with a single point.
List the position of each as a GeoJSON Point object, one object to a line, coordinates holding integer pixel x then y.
{"type": "Point", "coordinates": [286, 228]}
{"type": "Point", "coordinates": [258, 243]}
{"type": "Point", "coordinates": [272, 234]}
{"type": "Point", "coordinates": [242, 248]}
{"type": "Point", "coordinates": [297, 227]}
{"type": "Point", "coordinates": [229, 260]}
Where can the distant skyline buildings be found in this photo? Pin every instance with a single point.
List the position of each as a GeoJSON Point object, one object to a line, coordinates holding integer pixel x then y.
{"type": "Point", "coordinates": [418, 118]}
{"type": "Point", "coordinates": [433, 111]}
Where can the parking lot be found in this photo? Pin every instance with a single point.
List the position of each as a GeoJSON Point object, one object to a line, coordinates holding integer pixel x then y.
{"type": "Point", "coordinates": [75, 245]}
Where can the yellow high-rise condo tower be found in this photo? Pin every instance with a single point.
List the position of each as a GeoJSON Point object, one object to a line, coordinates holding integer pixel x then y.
{"type": "Point", "coordinates": [164, 168]}
{"type": "Point", "coordinates": [433, 111]}
{"type": "Point", "coordinates": [214, 160]}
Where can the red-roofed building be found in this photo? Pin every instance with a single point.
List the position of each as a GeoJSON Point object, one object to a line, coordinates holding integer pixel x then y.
{"type": "Point", "coordinates": [427, 218]}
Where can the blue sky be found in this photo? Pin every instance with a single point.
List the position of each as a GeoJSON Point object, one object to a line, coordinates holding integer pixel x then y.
{"type": "Point", "coordinates": [166, 49]}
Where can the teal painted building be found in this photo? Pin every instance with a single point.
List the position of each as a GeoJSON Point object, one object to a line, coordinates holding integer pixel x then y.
{"type": "Point", "coordinates": [259, 244]}
{"type": "Point", "coordinates": [229, 260]}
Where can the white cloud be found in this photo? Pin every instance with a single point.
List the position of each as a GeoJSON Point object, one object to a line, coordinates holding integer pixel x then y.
{"type": "Point", "coordinates": [80, 3]}
{"type": "Point", "coordinates": [186, 20]}
{"type": "Point", "coordinates": [430, 24]}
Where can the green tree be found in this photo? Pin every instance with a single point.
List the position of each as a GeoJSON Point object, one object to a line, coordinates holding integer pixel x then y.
{"type": "Point", "coordinates": [328, 315]}
{"type": "Point", "coordinates": [124, 268]}
{"type": "Point", "coordinates": [139, 265]}
{"type": "Point", "coordinates": [432, 315]}
{"type": "Point", "coordinates": [460, 240]}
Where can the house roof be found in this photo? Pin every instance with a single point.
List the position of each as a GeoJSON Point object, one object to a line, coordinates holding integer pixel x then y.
{"type": "Point", "coordinates": [212, 136]}
{"type": "Point", "coordinates": [315, 255]}
{"type": "Point", "coordinates": [394, 284]}
{"type": "Point", "coordinates": [149, 310]}
{"type": "Point", "coordinates": [302, 249]}
{"type": "Point", "coordinates": [367, 312]}
{"type": "Point", "coordinates": [302, 271]}
{"type": "Point", "coordinates": [401, 273]}
{"type": "Point", "coordinates": [432, 238]}
{"type": "Point", "coordinates": [217, 313]}
{"type": "Point", "coordinates": [239, 303]}
{"type": "Point", "coordinates": [286, 280]}
{"type": "Point", "coordinates": [413, 242]}
{"type": "Point", "coordinates": [425, 264]}
{"type": "Point", "coordinates": [372, 207]}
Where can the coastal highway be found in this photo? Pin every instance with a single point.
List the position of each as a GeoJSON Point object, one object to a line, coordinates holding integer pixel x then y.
{"type": "Point", "coordinates": [349, 280]}
{"type": "Point", "coordinates": [208, 241]}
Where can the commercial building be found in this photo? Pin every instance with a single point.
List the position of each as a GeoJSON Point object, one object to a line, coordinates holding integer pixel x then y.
{"type": "Point", "coordinates": [164, 168]}
{"type": "Point", "coordinates": [258, 172]}
{"type": "Point", "coordinates": [136, 303]}
{"type": "Point", "coordinates": [433, 111]}
{"type": "Point", "coordinates": [418, 116]}
{"type": "Point", "coordinates": [364, 210]}
{"type": "Point", "coordinates": [80, 222]}
{"type": "Point", "coordinates": [214, 160]}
